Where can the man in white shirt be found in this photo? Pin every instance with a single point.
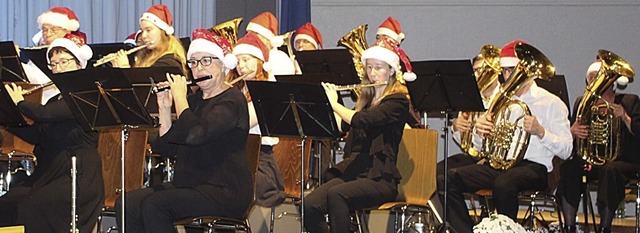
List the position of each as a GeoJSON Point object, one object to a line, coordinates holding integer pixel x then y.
{"type": "Point", "coordinates": [548, 126]}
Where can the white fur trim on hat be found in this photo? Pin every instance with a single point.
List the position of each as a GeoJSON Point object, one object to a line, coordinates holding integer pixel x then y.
{"type": "Point", "coordinates": [594, 67]}
{"type": "Point", "coordinates": [83, 54]}
{"type": "Point", "coordinates": [202, 45]}
{"type": "Point", "coordinates": [274, 40]}
{"type": "Point", "coordinates": [158, 22]}
{"type": "Point", "coordinates": [390, 33]}
{"type": "Point", "coordinates": [409, 76]}
{"type": "Point", "coordinates": [306, 37]}
{"type": "Point", "coordinates": [622, 81]}
{"type": "Point", "coordinates": [248, 49]}
{"type": "Point", "coordinates": [57, 19]}
{"type": "Point", "coordinates": [508, 61]}
{"type": "Point", "coordinates": [382, 54]}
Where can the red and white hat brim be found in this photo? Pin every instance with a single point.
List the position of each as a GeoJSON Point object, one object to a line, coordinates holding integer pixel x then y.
{"type": "Point", "coordinates": [158, 22]}
{"type": "Point", "coordinates": [382, 54]}
{"type": "Point", "coordinates": [83, 53]}
{"type": "Point", "coordinates": [274, 40]}
{"type": "Point", "coordinates": [398, 37]}
{"type": "Point", "coordinates": [509, 61]}
{"type": "Point", "coordinates": [57, 19]}
{"type": "Point", "coordinates": [308, 38]}
{"type": "Point", "coordinates": [203, 45]}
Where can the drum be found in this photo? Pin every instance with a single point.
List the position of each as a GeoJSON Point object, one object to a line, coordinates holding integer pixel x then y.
{"type": "Point", "coordinates": [15, 161]}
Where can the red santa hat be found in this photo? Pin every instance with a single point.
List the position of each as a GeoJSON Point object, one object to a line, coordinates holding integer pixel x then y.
{"type": "Point", "coordinates": [60, 16]}
{"type": "Point", "coordinates": [309, 33]}
{"type": "Point", "coordinates": [160, 16]}
{"type": "Point", "coordinates": [203, 40]}
{"type": "Point", "coordinates": [252, 45]}
{"type": "Point", "coordinates": [76, 43]}
{"type": "Point", "coordinates": [595, 67]}
{"type": "Point", "coordinates": [508, 56]}
{"type": "Point", "coordinates": [388, 51]}
{"type": "Point", "coordinates": [132, 39]}
{"type": "Point", "coordinates": [391, 28]}
{"type": "Point", "coordinates": [266, 24]}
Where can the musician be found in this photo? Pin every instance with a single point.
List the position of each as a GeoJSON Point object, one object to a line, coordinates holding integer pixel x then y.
{"type": "Point", "coordinates": [613, 175]}
{"type": "Point", "coordinates": [254, 62]}
{"type": "Point", "coordinates": [307, 37]}
{"type": "Point", "coordinates": [265, 26]}
{"type": "Point", "coordinates": [390, 28]}
{"type": "Point", "coordinates": [377, 124]}
{"type": "Point", "coordinates": [550, 136]}
{"type": "Point", "coordinates": [163, 50]}
{"type": "Point", "coordinates": [43, 202]}
{"type": "Point", "coordinates": [133, 39]}
{"type": "Point", "coordinates": [55, 23]}
{"type": "Point", "coordinates": [462, 124]}
{"type": "Point", "coordinates": [209, 138]}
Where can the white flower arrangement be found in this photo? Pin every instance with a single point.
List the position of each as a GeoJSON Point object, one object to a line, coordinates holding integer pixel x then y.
{"type": "Point", "coordinates": [497, 223]}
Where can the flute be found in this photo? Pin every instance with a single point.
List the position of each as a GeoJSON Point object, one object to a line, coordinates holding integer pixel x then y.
{"type": "Point", "coordinates": [157, 89]}
{"type": "Point", "coordinates": [35, 88]}
{"type": "Point", "coordinates": [234, 81]}
{"type": "Point", "coordinates": [112, 56]}
{"type": "Point", "coordinates": [358, 86]}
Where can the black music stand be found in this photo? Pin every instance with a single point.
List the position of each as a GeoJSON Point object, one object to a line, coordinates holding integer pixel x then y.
{"type": "Point", "coordinates": [104, 99]}
{"type": "Point", "coordinates": [339, 62]}
{"type": "Point", "coordinates": [144, 80]}
{"type": "Point", "coordinates": [38, 55]}
{"type": "Point", "coordinates": [445, 86]}
{"type": "Point", "coordinates": [294, 110]}
{"type": "Point", "coordinates": [10, 64]}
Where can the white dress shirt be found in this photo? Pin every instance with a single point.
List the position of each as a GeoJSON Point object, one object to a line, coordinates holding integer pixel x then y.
{"type": "Point", "coordinates": [552, 114]}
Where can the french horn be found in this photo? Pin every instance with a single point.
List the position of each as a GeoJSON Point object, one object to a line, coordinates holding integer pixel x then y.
{"type": "Point", "coordinates": [228, 30]}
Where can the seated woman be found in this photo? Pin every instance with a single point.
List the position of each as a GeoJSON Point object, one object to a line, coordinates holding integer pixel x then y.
{"type": "Point", "coordinates": [163, 48]}
{"type": "Point", "coordinates": [209, 137]}
{"type": "Point", "coordinates": [369, 177]}
{"type": "Point", "coordinates": [43, 202]}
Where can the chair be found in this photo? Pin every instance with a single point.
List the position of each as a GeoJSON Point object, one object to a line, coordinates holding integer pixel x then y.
{"type": "Point", "coordinates": [211, 223]}
{"type": "Point", "coordinates": [417, 155]}
{"type": "Point", "coordinates": [287, 156]}
{"type": "Point", "coordinates": [532, 197]}
{"type": "Point", "coordinates": [109, 148]}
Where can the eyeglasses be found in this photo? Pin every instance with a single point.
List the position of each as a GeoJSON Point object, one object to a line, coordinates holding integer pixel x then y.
{"type": "Point", "coordinates": [64, 62]}
{"type": "Point", "coordinates": [53, 30]}
{"type": "Point", "coordinates": [205, 61]}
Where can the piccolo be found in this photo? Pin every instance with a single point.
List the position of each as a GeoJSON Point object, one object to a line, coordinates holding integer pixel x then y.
{"type": "Point", "coordinates": [112, 56]}
{"type": "Point", "coordinates": [357, 86]}
{"type": "Point", "coordinates": [193, 82]}
{"type": "Point", "coordinates": [35, 88]}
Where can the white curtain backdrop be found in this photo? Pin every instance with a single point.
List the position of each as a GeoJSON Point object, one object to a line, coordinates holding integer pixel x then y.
{"type": "Point", "coordinates": [104, 21]}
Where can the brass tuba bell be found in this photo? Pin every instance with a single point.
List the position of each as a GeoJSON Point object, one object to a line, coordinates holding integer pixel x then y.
{"type": "Point", "coordinates": [603, 143]}
{"type": "Point", "coordinates": [228, 30]}
{"type": "Point", "coordinates": [356, 42]}
{"type": "Point", "coordinates": [506, 145]}
{"type": "Point", "coordinates": [487, 75]}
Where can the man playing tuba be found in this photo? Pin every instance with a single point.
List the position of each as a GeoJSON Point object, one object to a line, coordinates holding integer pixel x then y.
{"type": "Point", "coordinates": [613, 175]}
{"type": "Point", "coordinates": [549, 127]}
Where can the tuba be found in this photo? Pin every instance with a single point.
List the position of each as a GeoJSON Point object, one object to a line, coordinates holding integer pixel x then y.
{"type": "Point", "coordinates": [228, 30]}
{"type": "Point", "coordinates": [603, 142]}
{"type": "Point", "coordinates": [356, 42]}
{"type": "Point", "coordinates": [506, 145]}
{"type": "Point", "coordinates": [486, 76]}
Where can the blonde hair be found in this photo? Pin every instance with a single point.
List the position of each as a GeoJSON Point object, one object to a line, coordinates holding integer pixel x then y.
{"type": "Point", "coordinates": [168, 44]}
{"type": "Point", "coordinates": [365, 99]}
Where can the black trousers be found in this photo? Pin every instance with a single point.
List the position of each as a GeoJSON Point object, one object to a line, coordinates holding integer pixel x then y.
{"type": "Point", "coordinates": [454, 161]}
{"type": "Point", "coordinates": [154, 209]}
{"type": "Point", "coordinates": [337, 197]}
{"type": "Point", "coordinates": [612, 178]}
{"type": "Point", "coordinates": [505, 184]}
